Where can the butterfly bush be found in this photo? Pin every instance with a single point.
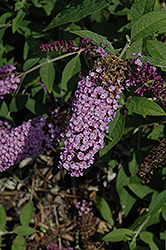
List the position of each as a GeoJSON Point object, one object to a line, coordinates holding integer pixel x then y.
{"type": "Point", "coordinates": [53, 246]}
{"type": "Point", "coordinates": [8, 80]}
{"type": "Point", "coordinates": [32, 138]}
{"type": "Point", "coordinates": [94, 106]}
{"type": "Point", "coordinates": [145, 77]}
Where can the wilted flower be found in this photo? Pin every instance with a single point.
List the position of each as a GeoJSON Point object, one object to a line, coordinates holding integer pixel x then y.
{"type": "Point", "coordinates": [156, 159]}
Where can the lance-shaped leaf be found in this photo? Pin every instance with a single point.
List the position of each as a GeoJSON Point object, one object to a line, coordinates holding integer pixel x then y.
{"type": "Point", "coordinates": [17, 20]}
{"type": "Point", "coordinates": [104, 209]}
{"type": "Point", "coordinates": [2, 217]}
{"type": "Point", "coordinates": [27, 213]}
{"type": "Point", "coordinates": [157, 49]}
{"type": "Point", "coordinates": [76, 10]}
{"type": "Point", "coordinates": [148, 238]}
{"type": "Point", "coordinates": [115, 133]}
{"type": "Point", "coordinates": [47, 73]}
{"type": "Point", "coordinates": [144, 107]}
{"type": "Point", "coordinates": [148, 24]}
{"type": "Point", "coordinates": [119, 235]}
{"type": "Point", "coordinates": [140, 8]}
{"type": "Point", "coordinates": [19, 243]}
{"type": "Point", "coordinates": [157, 202]}
{"type": "Point", "coordinates": [69, 74]}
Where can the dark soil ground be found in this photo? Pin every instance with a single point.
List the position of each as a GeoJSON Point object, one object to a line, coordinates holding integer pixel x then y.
{"type": "Point", "coordinates": [55, 194]}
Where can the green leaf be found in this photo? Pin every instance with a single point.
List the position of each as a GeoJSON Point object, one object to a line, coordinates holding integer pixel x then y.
{"type": "Point", "coordinates": [136, 47]}
{"type": "Point", "coordinates": [18, 103]}
{"type": "Point", "coordinates": [104, 209]}
{"type": "Point", "coordinates": [115, 133]}
{"type": "Point", "coordinates": [140, 8]}
{"type": "Point", "coordinates": [30, 63]}
{"type": "Point", "coordinates": [27, 213]}
{"type": "Point", "coordinates": [35, 107]}
{"type": "Point", "coordinates": [164, 212]}
{"type": "Point", "coordinates": [140, 190]}
{"type": "Point", "coordinates": [76, 10]}
{"type": "Point", "coordinates": [156, 61]}
{"type": "Point", "coordinates": [3, 109]}
{"type": "Point", "coordinates": [3, 217]}
{"type": "Point", "coordinates": [148, 24]}
{"type": "Point", "coordinates": [119, 235]}
{"type": "Point", "coordinates": [47, 73]}
{"type": "Point", "coordinates": [157, 133]}
{"type": "Point", "coordinates": [17, 20]}
{"type": "Point", "coordinates": [157, 202]}
{"type": "Point", "coordinates": [23, 230]}
{"type": "Point", "coordinates": [148, 238]}
{"type": "Point", "coordinates": [19, 243]}
{"type": "Point", "coordinates": [96, 38]}
{"type": "Point", "coordinates": [34, 44]}
{"type": "Point", "coordinates": [156, 49]}
{"type": "Point", "coordinates": [127, 3]}
{"type": "Point", "coordinates": [71, 70]}
{"type": "Point", "coordinates": [126, 199]}
{"type": "Point", "coordinates": [144, 107]}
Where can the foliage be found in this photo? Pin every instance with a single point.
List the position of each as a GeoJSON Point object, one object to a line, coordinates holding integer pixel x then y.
{"type": "Point", "coordinates": [23, 230]}
{"type": "Point", "coordinates": [139, 123]}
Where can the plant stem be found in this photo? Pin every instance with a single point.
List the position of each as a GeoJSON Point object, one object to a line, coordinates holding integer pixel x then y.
{"type": "Point", "coordinates": [50, 61]}
{"type": "Point", "coordinates": [5, 25]}
{"type": "Point", "coordinates": [139, 230]}
{"type": "Point", "coordinates": [125, 48]}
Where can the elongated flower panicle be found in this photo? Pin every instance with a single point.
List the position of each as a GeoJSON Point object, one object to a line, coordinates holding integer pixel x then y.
{"type": "Point", "coordinates": [94, 106]}
{"type": "Point", "coordinates": [8, 80]}
{"type": "Point", "coordinates": [68, 46]}
{"type": "Point", "coordinates": [53, 246]}
{"type": "Point", "coordinates": [156, 160]}
{"type": "Point", "coordinates": [32, 138]}
{"type": "Point", "coordinates": [145, 77]}
{"type": "Point", "coordinates": [24, 141]}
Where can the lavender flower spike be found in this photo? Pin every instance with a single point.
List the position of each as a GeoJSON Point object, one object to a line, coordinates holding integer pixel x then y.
{"type": "Point", "coordinates": [32, 138]}
{"type": "Point", "coordinates": [95, 105]}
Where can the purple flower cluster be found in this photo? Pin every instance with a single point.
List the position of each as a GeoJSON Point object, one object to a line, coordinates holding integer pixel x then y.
{"type": "Point", "coordinates": [5, 128]}
{"type": "Point", "coordinates": [145, 77]}
{"type": "Point", "coordinates": [26, 140]}
{"type": "Point", "coordinates": [93, 108]}
{"type": "Point", "coordinates": [53, 246]}
{"type": "Point", "coordinates": [8, 80]}
{"type": "Point", "coordinates": [68, 46]}
{"type": "Point", "coordinates": [84, 207]}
